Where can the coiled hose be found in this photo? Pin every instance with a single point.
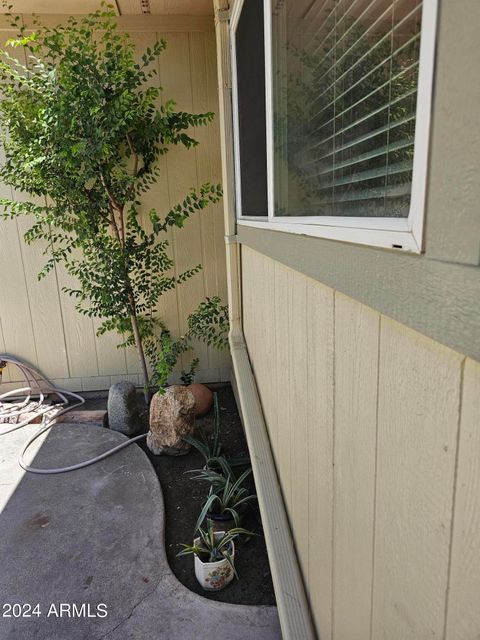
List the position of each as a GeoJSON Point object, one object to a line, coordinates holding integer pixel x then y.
{"type": "Point", "coordinates": [39, 386]}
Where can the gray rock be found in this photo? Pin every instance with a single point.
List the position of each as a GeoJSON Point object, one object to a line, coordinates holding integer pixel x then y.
{"type": "Point", "coordinates": [123, 415]}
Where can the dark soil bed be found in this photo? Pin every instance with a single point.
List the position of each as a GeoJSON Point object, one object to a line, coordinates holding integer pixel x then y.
{"type": "Point", "coordinates": [183, 501]}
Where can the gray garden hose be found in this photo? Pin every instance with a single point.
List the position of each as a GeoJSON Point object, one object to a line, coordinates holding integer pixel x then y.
{"type": "Point", "coordinates": [39, 386]}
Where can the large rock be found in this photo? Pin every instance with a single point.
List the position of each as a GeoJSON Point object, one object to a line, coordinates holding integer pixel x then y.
{"type": "Point", "coordinates": [123, 412]}
{"type": "Point", "coordinates": [172, 416]}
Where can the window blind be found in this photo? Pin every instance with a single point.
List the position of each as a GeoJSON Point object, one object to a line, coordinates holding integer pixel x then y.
{"type": "Point", "coordinates": [345, 76]}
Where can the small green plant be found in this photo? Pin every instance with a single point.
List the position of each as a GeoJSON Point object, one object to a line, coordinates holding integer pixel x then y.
{"type": "Point", "coordinates": [227, 495]}
{"type": "Point", "coordinates": [208, 323]}
{"type": "Point", "coordinates": [213, 547]}
{"type": "Point", "coordinates": [163, 352]}
{"type": "Point", "coordinates": [208, 444]}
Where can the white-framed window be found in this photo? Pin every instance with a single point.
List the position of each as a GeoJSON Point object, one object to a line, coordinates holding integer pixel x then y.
{"type": "Point", "coordinates": [331, 102]}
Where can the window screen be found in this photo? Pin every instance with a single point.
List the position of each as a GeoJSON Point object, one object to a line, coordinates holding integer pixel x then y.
{"type": "Point", "coordinates": [250, 64]}
{"type": "Point", "coordinates": [344, 100]}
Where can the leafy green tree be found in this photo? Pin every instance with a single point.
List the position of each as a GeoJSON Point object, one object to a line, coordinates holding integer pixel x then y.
{"type": "Point", "coordinates": [82, 133]}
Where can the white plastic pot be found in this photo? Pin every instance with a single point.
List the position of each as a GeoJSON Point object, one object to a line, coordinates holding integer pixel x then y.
{"type": "Point", "coordinates": [213, 576]}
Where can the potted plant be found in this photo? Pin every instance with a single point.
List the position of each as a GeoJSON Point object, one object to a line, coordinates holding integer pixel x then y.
{"type": "Point", "coordinates": [214, 553]}
{"type": "Point", "coordinates": [226, 500]}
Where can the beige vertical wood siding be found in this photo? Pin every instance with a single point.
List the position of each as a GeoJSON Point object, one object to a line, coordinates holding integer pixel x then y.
{"type": "Point", "coordinates": [39, 323]}
{"type": "Point", "coordinates": [375, 432]}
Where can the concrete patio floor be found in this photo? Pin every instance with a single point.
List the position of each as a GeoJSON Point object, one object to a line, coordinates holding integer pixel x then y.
{"type": "Point", "coordinates": [95, 536]}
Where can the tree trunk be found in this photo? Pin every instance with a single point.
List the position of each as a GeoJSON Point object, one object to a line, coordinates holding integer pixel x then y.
{"type": "Point", "coordinates": [120, 235]}
{"type": "Point", "coordinates": [141, 357]}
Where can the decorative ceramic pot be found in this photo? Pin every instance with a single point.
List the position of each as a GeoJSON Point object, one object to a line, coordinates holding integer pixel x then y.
{"type": "Point", "coordinates": [203, 398]}
{"type": "Point", "coordinates": [213, 576]}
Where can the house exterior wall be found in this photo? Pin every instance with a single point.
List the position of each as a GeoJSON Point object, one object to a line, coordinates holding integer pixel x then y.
{"type": "Point", "coordinates": [374, 430]}
{"type": "Point", "coordinates": [366, 365]}
{"type": "Point", "coordinates": [39, 323]}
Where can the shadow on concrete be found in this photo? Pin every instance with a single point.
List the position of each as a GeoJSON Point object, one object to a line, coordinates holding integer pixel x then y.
{"type": "Point", "coordinates": [95, 537]}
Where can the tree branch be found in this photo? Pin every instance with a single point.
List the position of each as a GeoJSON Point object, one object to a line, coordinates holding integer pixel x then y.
{"type": "Point", "coordinates": [114, 203]}
{"type": "Point", "coordinates": [119, 233]}
{"type": "Point", "coordinates": [113, 224]}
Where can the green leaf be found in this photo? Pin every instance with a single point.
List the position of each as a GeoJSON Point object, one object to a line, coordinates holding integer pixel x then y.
{"type": "Point", "coordinates": [81, 131]}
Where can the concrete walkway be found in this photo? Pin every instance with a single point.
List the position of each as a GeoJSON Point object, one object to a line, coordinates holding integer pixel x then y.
{"type": "Point", "coordinates": [95, 537]}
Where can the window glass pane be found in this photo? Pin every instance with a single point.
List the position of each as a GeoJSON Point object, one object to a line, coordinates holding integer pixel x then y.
{"type": "Point", "coordinates": [250, 62]}
{"type": "Point", "coordinates": [345, 78]}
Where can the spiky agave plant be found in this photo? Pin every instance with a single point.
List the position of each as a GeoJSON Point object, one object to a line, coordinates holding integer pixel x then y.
{"type": "Point", "coordinates": [208, 444]}
{"type": "Point", "coordinates": [227, 494]}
